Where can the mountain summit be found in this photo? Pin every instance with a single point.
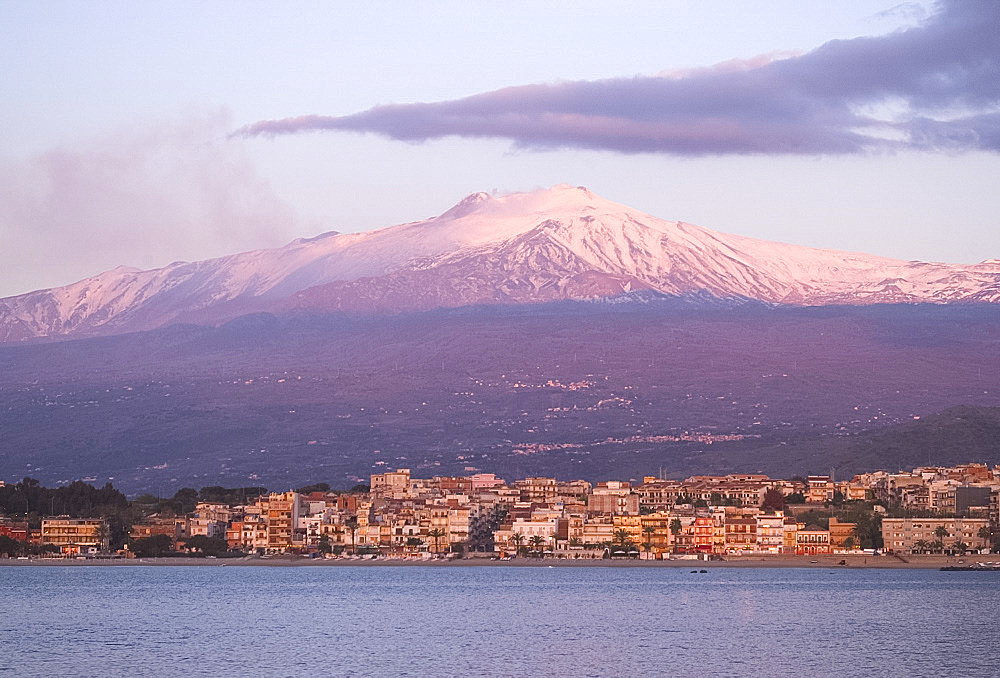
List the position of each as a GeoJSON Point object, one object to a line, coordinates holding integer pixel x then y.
{"type": "Point", "coordinates": [560, 243]}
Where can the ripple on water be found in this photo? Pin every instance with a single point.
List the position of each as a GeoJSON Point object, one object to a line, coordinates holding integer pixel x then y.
{"type": "Point", "coordinates": [493, 621]}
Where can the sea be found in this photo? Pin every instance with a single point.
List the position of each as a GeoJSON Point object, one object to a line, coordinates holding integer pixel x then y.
{"type": "Point", "coordinates": [496, 621]}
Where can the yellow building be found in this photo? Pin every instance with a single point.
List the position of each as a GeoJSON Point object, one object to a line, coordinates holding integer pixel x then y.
{"type": "Point", "coordinates": [659, 536]}
{"type": "Point", "coordinates": [632, 525]}
{"type": "Point", "coordinates": [842, 535]}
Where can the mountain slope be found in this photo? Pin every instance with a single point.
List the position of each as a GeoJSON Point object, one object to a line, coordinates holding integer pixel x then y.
{"type": "Point", "coordinates": [567, 389]}
{"type": "Point", "coordinates": [561, 243]}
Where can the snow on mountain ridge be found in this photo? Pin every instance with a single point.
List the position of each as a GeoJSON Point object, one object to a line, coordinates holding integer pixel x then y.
{"type": "Point", "coordinates": [518, 248]}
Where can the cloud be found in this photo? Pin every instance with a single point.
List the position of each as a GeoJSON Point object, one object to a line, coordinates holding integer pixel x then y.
{"type": "Point", "coordinates": [932, 87]}
{"type": "Point", "coordinates": [138, 197]}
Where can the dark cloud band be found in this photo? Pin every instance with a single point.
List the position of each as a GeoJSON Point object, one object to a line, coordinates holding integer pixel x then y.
{"type": "Point", "coordinates": [934, 87]}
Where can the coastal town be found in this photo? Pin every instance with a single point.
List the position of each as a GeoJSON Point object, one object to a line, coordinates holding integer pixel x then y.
{"type": "Point", "coordinates": [942, 510]}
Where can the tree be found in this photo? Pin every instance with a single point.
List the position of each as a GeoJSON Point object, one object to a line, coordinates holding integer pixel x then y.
{"type": "Point", "coordinates": [849, 543]}
{"type": "Point", "coordinates": [921, 545]}
{"type": "Point", "coordinates": [575, 542]}
{"type": "Point", "coordinates": [795, 498]}
{"type": "Point", "coordinates": [315, 487]}
{"type": "Point", "coordinates": [986, 533]}
{"type": "Point", "coordinates": [537, 541]}
{"type": "Point", "coordinates": [622, 540]}
{"type": "Point", "coordinates": [10, 547]}
{"type": "Point", "coordinates": [185, 500]}
{"type": "Point", "coordinates": [518, 540]}
{"type": "Point", "coordinates": [960, 546]}
{"type": "Point", "coordinates": [352, 524]}
{"type": "Point", "coordinates": [436, 534]}
{"type": "Point", "coordinates": [152, 547]}
{"type": "Point", "coordinates": [208, 546]}
{"type": "Point", "coordinates": [675, 529]}
{"type": "Point", "coordinates": [324, 545]}
{"type": "Point", "coordinates": [941, 532]}
{"type": "Point", "coordinates": [555, 541]}
{"type": "Point", "coordinates": [414, 543]}
{"type": "Point", "coordinates": [774, 501]}
{"type": "Point", "coordinates": [648, 531]}
{"type": "Point", "coordinates": [104, 534]}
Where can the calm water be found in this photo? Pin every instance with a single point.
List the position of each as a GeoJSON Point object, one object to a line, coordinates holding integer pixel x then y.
{"type": "Point", "coordinates": [497, 621]}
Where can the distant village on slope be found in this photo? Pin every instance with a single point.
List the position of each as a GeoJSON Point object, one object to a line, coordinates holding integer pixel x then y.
{"type": "Point", "coordinates": [944, 510]}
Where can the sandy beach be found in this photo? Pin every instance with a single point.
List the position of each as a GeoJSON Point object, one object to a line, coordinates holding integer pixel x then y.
{"type": "Point", "coordinates": [825, 561]}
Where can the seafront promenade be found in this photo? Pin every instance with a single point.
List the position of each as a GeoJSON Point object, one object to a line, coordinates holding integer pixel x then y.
{"type": "Point", "coordinates": [885, 562]}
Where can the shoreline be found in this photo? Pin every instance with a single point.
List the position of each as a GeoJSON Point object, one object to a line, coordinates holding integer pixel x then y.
{"type": "Point", "coordinates": [923, 562]}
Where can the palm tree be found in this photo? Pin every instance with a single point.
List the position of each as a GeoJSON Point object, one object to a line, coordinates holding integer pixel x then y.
{"type": "Point", "coordinates": [675, 529]}
{"type": "Point", "coordinates": [940, 532]}
{"type": "Point", "coordinates": [518, 540]}
{"type": "Point", "coordinates": [352, 524]}
{"type": "Point", "coordinates": [436, 534]}
{"type": "Point", "coordinates": [986, 533]}
{"type": "Point", "coordinates": [921, 545]}
{"type": "Point", "coordinates": [555, 542]}
{"type": "Point", "coordinates": [649, 531]}
{"type": "Point", "coordinates": [576, 541]}
{"type": "Point", "coordinates": [104, 535]}
{"type": "Point", "coordinates": [622, 540]}
{"type": "Point", "coordinates": [536, 542]}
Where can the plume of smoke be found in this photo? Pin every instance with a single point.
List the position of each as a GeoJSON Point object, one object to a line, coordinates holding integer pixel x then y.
{"type": "Point", "coordinates": [138, 197]}
{"type": "Point", "coordinates": [942, 76]}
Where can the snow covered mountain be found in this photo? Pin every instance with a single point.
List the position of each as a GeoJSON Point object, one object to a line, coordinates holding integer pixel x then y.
{"type": "Point", "coordinates": [561, 243]}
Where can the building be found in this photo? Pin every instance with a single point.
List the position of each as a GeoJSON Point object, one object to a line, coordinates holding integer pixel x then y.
{"type": "Point", "coordinates": [921, 535]}
{"type": "Point", "coordinates": [175, 528]}
{"type": "Point", "coordinates": [971, 497]}
{"type": "Point", "coordinates": [658, 495]}
{"type": "Point", "coordinates": [75, 536]}
{"type": "Point", "coordinates": [741, 534]}
{"type": "Point", "coordinates": [771, 533]}
{"type": "Point", "coordinates": [210, 520]}
{"type": "Point", "coordinates": [812, 540]}
{"type": "Point", "coordinates": [18, 531]}
{"type": "Point", "coordinates": [791, 535]}
{"type": "Point", "coordinates": [842, 535]}
{"type": "Point", "coordinates": [656, 531]}
{"type": "Point", "coordinates": [394, 484]}
{"type": "Point", "coordinates": [703, 533]}
{"type": "Point", "coordinates": [819, 489]}
{"type": "Point", "coordinates": [282, 517]}
{"type": "Point", "coordinates": [613, 497]}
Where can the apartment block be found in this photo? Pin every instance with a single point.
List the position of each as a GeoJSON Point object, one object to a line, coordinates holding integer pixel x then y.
{"type": "Point", "coordinates": [76, 535]}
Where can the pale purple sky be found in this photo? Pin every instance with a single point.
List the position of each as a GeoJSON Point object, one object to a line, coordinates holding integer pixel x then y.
{"type": "Point", "coordinates": [860, 125]}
